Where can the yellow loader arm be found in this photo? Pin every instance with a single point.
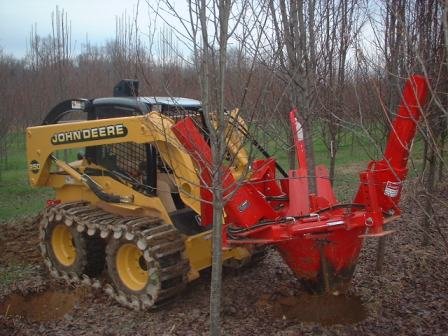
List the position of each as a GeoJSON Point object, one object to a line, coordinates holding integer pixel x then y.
{"type": "Point", "coordinates": [153, 128]}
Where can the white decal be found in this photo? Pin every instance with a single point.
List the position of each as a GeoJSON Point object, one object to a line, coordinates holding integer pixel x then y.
{"type": "Point", "coordinates": [392, 188]}
{"type": "Point", "coordinates": [69, 180]}
{"type": "Point", "coordinates": [77, 105]}
{"type": "Point", "coordinates": [299, 130]}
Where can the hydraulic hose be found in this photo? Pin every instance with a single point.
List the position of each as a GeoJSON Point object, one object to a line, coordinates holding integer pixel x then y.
{"type": "Point", "coordinates": [96, 188]}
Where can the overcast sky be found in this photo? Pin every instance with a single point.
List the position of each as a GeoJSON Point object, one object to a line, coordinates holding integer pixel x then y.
{"type": "Point", "coordinates": [93, 17]}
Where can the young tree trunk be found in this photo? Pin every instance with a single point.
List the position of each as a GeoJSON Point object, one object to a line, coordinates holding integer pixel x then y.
{"type": "Point", "coordinates": [216, 281]}
{"type": "Point", "coordinates": [218, 147]}
{"type": "Point", "coordinates": [333, 152]}
{"type": "Point", "coordinates": [443, 137]}
{"type": "Point", "coordinates": [429, 189]}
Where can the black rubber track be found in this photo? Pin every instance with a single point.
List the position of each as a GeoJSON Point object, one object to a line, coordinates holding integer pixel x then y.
{"type": "Point", "coordinates": [161, 244]}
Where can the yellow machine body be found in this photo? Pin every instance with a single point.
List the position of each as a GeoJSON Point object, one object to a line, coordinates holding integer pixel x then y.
{"type": "Point", "coordinates": [44, 142]}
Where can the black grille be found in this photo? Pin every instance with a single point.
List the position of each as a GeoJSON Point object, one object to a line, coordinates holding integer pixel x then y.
{"type": "Point", "coordinates": [179, 113]}
{"type": "Point", "coordinates": [127, 157]}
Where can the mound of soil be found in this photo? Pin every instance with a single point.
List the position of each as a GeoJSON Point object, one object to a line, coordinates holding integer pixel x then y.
{"type": "Point", "coordinates": [410, 297]}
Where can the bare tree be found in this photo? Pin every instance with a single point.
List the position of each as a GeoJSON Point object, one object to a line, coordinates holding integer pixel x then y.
{"type": "Point", "coordinates": [212, 88]}
{"type": "Point", "coordinates": [295, 25]}
{"type": "Point", "coordinates": [8, 66]}
{"type": "Point", "coordinates": [343, 21]}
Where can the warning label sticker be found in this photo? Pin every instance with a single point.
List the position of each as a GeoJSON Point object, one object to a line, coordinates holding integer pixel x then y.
{"type": "Point", "coordinates": [392, 188]}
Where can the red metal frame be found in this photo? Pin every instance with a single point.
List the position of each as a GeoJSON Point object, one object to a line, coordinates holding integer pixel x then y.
{"type": "Point", "coordinates": [319, 239]}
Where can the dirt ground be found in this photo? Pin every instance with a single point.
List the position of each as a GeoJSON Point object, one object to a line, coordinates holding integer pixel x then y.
{"type": "Point", "coordinates": [410, 297]}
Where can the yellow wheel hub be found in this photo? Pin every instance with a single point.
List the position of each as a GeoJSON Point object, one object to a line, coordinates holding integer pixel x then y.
{"type": "Point", "coordinates": [131, 267]}
{"type": "Point", "coordinates": [62, 245]}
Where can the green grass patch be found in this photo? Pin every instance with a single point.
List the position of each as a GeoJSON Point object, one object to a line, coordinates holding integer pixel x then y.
{"type": "Point", "coordinates": [17, 198]}
{"type": "Point", "coordinates": [10, 274]}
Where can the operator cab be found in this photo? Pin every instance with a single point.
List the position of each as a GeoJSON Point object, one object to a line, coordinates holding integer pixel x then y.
{"type": "Point", "coordinates": [138, 164]}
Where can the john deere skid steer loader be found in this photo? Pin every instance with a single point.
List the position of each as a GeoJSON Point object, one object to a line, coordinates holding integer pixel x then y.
{"type": "Point", "coordinates": [126, 213]}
